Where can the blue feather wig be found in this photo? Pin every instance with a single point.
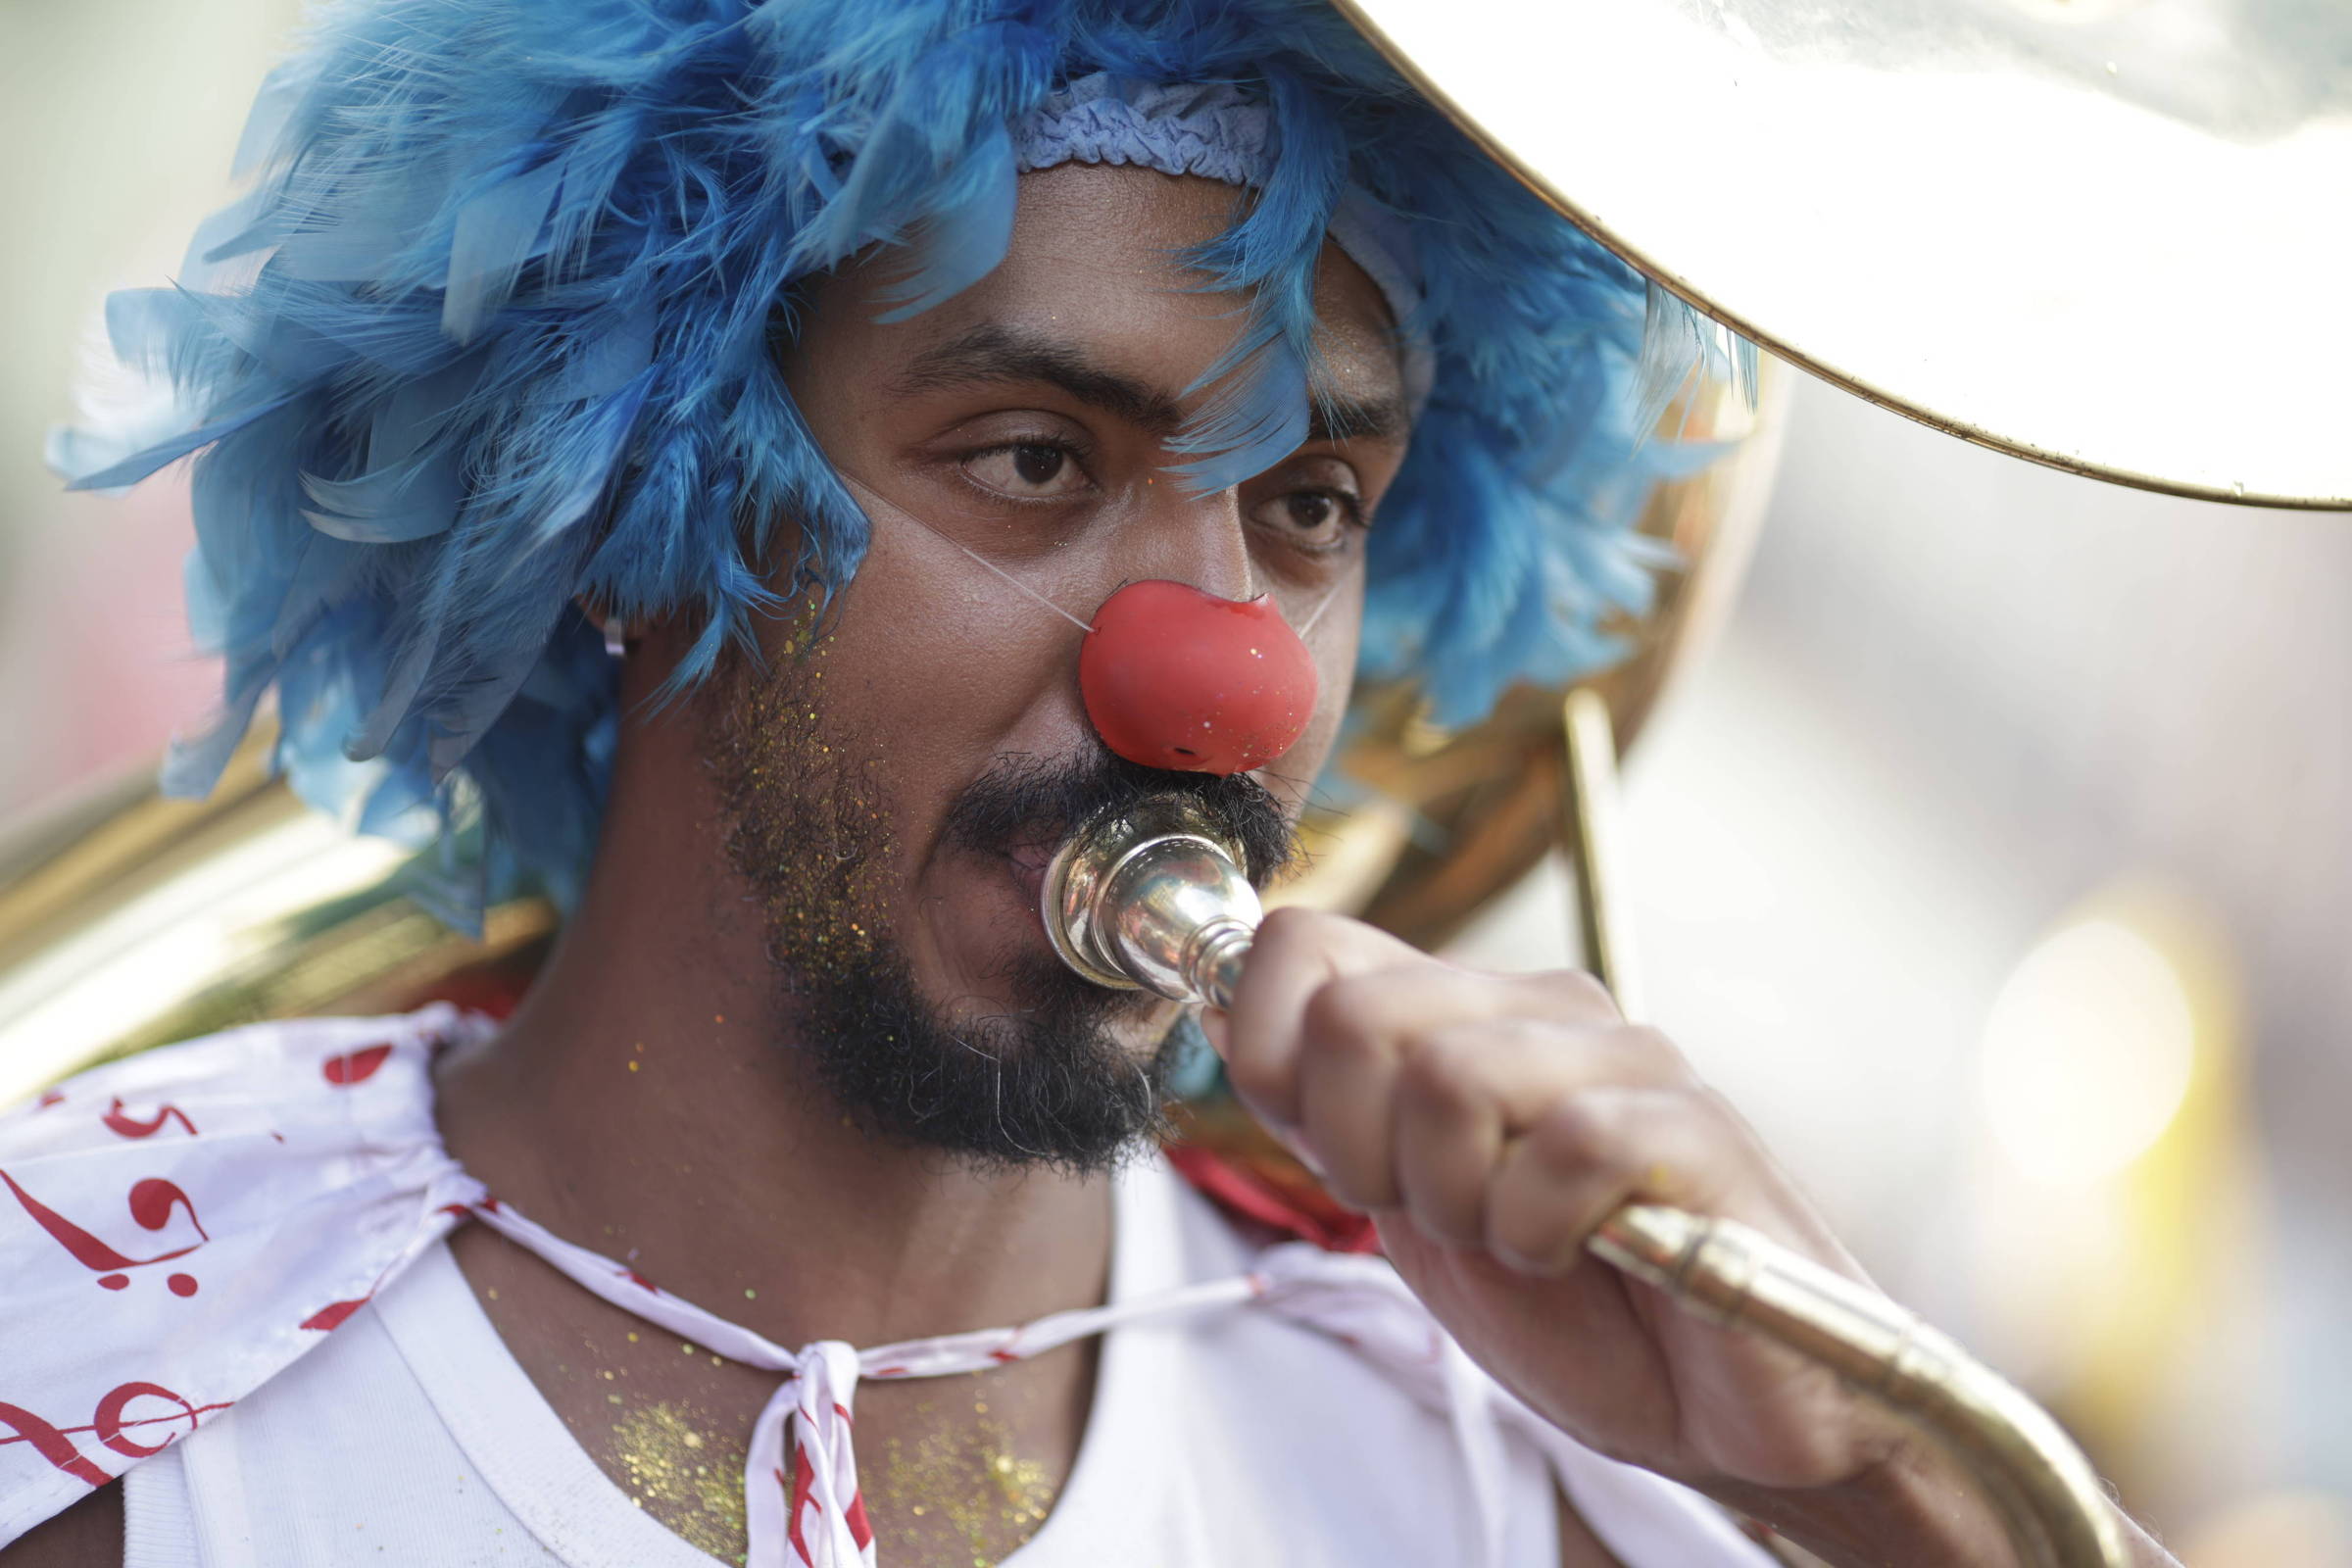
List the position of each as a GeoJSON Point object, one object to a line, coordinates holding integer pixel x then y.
{"type": "Point", "coordinates": [492, 334]}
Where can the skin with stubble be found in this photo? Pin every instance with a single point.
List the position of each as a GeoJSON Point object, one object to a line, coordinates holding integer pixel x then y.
{"type": "Point", "coordinates": [1052, 1075]}
{"type": "Point", "coordinates": [804, 1055]}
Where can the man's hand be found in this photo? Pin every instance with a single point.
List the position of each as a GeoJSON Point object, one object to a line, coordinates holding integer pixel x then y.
{"type": "Point", "coordinates": [1490, 1123]}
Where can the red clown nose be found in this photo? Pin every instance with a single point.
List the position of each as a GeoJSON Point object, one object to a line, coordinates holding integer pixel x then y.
{"type": "Point", "coordinates": [1184, 680]}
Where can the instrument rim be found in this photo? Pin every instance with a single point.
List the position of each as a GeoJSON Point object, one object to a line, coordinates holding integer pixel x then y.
{"type": "Point", "coordinates": [1779, 347]}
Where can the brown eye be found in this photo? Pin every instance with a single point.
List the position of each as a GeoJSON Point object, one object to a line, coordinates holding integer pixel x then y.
{"type": "Point", "coordinates": [1314, 519]}
{"type": "Point", "coordinates": [1027, 471]}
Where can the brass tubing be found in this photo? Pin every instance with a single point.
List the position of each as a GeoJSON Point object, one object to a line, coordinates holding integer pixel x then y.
{"type": "Point", "coordinates": [1588, 831]}
{"type": "Point", "coordinates": [1155, 899]}
{"type": "Point", "coordinates": [2047, 1493]}
{"type": "Point", "coordinates": [1723, 1272]}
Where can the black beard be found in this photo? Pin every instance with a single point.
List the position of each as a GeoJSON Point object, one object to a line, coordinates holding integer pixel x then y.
{"type": "Point", "coordinates": [1047, 1083]}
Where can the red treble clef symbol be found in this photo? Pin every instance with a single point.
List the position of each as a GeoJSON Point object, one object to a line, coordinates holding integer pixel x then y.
{"type": "Point", "coordinates": [110, 1425]}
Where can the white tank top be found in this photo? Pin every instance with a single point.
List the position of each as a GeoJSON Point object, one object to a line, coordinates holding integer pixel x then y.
{"type": "Point", "coordinates": [412, 1437]}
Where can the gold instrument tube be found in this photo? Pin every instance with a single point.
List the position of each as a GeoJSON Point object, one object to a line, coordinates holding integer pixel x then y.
{"type": "Point", "coordinates": [1720, 1271]}
{"type": "Point", "coordinates": [1588, 831]}
{"type": "Point", "coordinates": [1156, 899]}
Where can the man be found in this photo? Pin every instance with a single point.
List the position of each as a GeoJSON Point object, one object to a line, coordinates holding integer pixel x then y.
{"type": "Point", "coordinates": [843, 364]}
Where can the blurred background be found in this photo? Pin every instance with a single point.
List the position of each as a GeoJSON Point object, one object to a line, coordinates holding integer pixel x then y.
{"type": "Point", "coordinates": [1993, 862]}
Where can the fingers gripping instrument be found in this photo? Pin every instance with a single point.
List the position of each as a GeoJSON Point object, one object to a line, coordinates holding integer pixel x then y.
{"type": "Point", "coordinates": [1154, 899]}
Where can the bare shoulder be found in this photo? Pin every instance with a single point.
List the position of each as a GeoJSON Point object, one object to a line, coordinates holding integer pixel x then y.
{"type": "Point", "coordinates": [88, 1535]}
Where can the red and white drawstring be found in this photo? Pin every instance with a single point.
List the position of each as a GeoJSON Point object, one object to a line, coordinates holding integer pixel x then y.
{"type": "Point", "coordinates": [810, 1512]}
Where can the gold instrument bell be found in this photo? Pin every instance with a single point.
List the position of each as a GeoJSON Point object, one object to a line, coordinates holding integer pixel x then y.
{"type": "Point", "coordinates": [2099, 234]}
{"type": "Point", "coordinates": [2108, 236]}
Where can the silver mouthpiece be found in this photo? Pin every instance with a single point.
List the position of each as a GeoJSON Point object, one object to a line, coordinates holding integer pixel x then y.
{"type": "Point", "coordinates": [1153, 899]}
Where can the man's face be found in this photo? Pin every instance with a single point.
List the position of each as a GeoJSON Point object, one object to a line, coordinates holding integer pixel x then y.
{"type": "Point", "coordinates": [895, 781]}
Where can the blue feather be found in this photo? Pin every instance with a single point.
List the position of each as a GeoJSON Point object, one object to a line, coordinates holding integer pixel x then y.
{"type": "Point", "coordinates": [412, 499]}
{"type": "Point", "coordinates": [193, 765]}
{"type": "Point", "coordinates": [492, 237]}
{"type": "Point", "coordinates": [330, 573]}
{"type": "Point", "coordinates": [139, 465]}
{"type": "Point", "coordinates": [963, 240]}
{"type": "Point", "coordinates": [488, 334]}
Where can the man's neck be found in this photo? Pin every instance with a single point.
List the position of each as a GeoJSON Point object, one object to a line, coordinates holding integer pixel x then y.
{"type": "Point", "coordinates": [647, 1102]}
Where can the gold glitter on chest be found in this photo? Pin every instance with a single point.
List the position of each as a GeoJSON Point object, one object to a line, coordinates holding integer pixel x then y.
{"type": "Point", "coordinates": [963, 1490]}
{"type": "Point", "coordinates": [690, 1481]}
{"type": "Point", "coordinates": [955, 1494]}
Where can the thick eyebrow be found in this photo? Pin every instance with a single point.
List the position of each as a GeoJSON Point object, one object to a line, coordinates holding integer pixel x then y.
{"type": "Point", "coordinates": [994, 353]}
{"type": "Point", "coordinates": [1341, 418]}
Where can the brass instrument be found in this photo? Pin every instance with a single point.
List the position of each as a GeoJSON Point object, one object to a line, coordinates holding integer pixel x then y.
{"type": "Point", "coordinates": [2021, 221]}
{"type": "Point", "coordinates": [1154, 899]}
{"type": "Point", "coordinates": [129, 920]}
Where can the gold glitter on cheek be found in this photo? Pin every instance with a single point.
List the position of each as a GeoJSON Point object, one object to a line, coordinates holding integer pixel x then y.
{"type": "Point", "coordinates": [807, 825]}
{"type": "Point", "coordinates": [690, 1482]}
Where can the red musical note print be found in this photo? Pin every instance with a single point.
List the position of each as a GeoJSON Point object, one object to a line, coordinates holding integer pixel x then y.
{"type": "Point", "coordinates": [334, 1314]}
{"type": "Point", "coordinates": [354, 1066]}
{"type": "Point", "coordinates": [122, 1125]}
{"type": "Point", "coordinates": [109, 1422]}
{"type": "Point", "coordinates": [152, 1202]}
{"type": "Point", "coordinates": [331, 1317]}
{"type": "Point", "coordinates": [109, 1425]}
{"type": "Point", "coordinates": [50, 1442]}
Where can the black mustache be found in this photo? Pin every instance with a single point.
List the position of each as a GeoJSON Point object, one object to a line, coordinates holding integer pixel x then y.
{"type": "Point", "coordinates": [1026, 802]}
